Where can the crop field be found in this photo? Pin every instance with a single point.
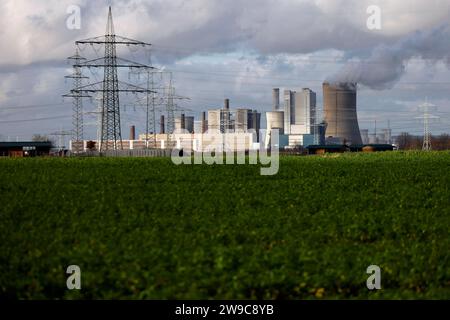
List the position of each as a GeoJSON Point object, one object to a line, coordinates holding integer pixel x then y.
{"type": "Point", "coordinates": [143, 228]}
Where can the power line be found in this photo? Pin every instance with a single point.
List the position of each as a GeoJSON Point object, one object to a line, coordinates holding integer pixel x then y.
{"type": "Point", "coordinates": [32, 106]}
{"type": "Point", "coordinates": [35, 119]}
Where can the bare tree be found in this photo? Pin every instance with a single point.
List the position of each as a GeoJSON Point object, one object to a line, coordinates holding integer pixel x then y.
{"type": "Point", "coordinates": [40, 138]}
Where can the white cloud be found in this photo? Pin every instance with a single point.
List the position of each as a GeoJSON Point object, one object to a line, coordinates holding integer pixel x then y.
{"type": "Point", "coordinates": [279, 42]}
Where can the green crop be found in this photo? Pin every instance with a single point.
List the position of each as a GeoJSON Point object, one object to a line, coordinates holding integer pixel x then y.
{"type": "Point", "coordinates": [147, 229]}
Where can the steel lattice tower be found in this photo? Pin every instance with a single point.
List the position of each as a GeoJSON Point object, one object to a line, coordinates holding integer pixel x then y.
{"type": "Point", "coordinates": [170, 108]}
{"type": "Point", "coordinates": [160, 83]}
{"type": "Point", "coordinates": [151, 112]}
{"type": "Point", "coordinates": [77, 109]}
{"type": "Point", "coordinates": [426, 131]}
{"type": "Point", "coordinates": [426, 127]}
{"type": "Point", "coordinates": [110, 131]}
{"type": "Point", "coordinates": [426, 107]}
{"type": "Point", "coordinates": [110, 87]}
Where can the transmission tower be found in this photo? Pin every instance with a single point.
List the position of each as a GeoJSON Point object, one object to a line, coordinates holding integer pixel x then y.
{"type": "Point", "coordinates": [427, 116]}
{"type": "Point", "coordinates": [77, 109]}
{"type": "Point", "coordinates": [61, 134]}
{"type": "Point", "coordinates": [170, 107]}
{"type": "Point", "coordinates": [110, 87]}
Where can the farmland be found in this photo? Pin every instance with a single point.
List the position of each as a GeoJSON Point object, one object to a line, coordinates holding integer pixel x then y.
{"type": "Point", "coordinates": [147, 229]}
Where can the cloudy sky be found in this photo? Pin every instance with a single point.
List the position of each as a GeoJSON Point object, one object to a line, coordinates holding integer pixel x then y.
{"type": "Point", "coordinates": [234, 49]}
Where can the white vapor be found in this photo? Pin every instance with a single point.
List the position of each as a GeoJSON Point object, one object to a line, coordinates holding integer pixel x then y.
{"type": "Point", "coordinates": [387, 64]}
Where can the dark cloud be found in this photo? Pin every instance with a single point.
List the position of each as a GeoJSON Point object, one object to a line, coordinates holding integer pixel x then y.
{"type": "Point", "coordinates": [235, 49]}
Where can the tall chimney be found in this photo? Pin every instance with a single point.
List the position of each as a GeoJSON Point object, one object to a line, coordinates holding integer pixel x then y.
{"type": "Point", "coordinates": [227, 104]}
{"type": "Point", "coordinates": [162, 127]}
{"type": "Point", "coordinates": [203, 122]}
{"type": "Point", "coordinates": [133, 133]}
{"type": "Point", "coordinates": [254, 120]}
{"type": "Point", "coordinates": [183, 122]}
{"type": "Point", "coordinates": [276, 99]}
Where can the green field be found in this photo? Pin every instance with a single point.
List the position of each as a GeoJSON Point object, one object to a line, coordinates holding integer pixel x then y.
{"type": "Point", "coordinates": [145, 228]}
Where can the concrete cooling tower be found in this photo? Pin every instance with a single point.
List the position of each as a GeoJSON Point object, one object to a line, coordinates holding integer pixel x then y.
{"type": "Point", "coordinates": [339, 104]}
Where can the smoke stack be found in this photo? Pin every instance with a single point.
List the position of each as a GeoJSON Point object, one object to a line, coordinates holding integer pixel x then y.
{"type": "Point", "coordinates": [133, 133]}
{"type": "Point", "coordinates": [276, 99]}
{"type": "Point", "coordinates": [227, 104]}
{"type": "Point", "coordinates": [183, 122]}
{"type": "Point", "coordinates": [203, 122]}
{"type": "Point", "coordinates": [339, 103]}
{"type": "Point", "coordinates": [162, 127]}
{"type": "Point", "coordinates": [255, 124]}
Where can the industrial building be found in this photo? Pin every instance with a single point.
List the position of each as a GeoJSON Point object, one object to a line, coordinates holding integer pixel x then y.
{"type": "Point", "coordinates": [226, 129]}
{"type": "Point", "coordinates": [237, 141]}
{"type": "Point", "coordinates": [297, 119]}
{"type": "Point", "coordinates": [384, 136]}
{"type": "Point", "coordinates": [341, 148]}
{"type": "Point", "coordinates": [339, 104]}
{"type": "Point", "coordinates": [222, 129]}
{"type": "Point", "coordinates": [226, 120]}
{"type": "Point", "coordinates": [25, 149]}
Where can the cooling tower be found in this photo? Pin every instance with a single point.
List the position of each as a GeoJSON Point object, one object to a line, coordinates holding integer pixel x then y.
{"type": "Point", "coordinates": [339, 104]}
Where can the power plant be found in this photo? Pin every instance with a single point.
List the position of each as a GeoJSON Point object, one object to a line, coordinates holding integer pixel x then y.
{"type": "Point", "coordinates": [295, 116]}
{"type": "Point", "coordinates": [339, 105]}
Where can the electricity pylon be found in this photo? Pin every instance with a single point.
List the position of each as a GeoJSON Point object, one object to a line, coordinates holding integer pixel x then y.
{"type": "Point", "coordinates": [77, 109]}
{"type": "Point", "coordinates": [427, 107]}
{"type": "Point", "coordinates": [110, 87]}
{"type": "Point", "coordinates": [61, 134]}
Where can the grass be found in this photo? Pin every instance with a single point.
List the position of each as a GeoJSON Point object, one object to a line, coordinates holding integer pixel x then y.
{"type": "Point", "coordinates": [147, 229]}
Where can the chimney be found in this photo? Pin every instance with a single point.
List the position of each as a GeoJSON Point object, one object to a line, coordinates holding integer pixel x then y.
{"type": "Point", "coordinates": [183, 122]}
{"type": "Point", "coordinates": [203, 122]}
{"type": "Point", "coordinates": [132, 133]}
{"type": "Point", "coordinates": [162, 128]}
{"type": "Point", "coordinates": [276, 98]}
{"type": "Point", "coordinates": [227, 104]}
{"type": "Point", "coordinates": [256, 124]}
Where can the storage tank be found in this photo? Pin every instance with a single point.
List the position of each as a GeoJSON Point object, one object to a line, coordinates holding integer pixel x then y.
{"type": "Point", "coordinates": [339, 104]}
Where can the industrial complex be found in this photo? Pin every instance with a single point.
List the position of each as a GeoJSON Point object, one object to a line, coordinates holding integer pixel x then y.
{"type": "Point", "coordinates": [294, 113]}
{"type": "Point", "coordinates": [295, 116]}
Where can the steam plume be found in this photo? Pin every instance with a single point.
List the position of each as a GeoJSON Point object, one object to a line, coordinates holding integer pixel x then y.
{"type": "Point", "coordinates": [387, 64]}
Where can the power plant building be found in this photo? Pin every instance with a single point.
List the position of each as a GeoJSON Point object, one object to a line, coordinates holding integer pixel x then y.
{"type": "Point", "coordinates": [299, 113]}
{"type": "Point", "coordinates": [239, 120]}
{"type": "Point", "coordinates": [184, 123]}
{"type": "Point", "coordinates": [289, 110]}
{"type": "Point", "coordinates": [305, 111]}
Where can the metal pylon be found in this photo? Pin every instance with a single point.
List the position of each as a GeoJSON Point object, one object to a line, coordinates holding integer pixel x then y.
{"type": "Point", "coordinates": [110, 107]}
{"type": "Point", "coordinates": [77, 108]}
